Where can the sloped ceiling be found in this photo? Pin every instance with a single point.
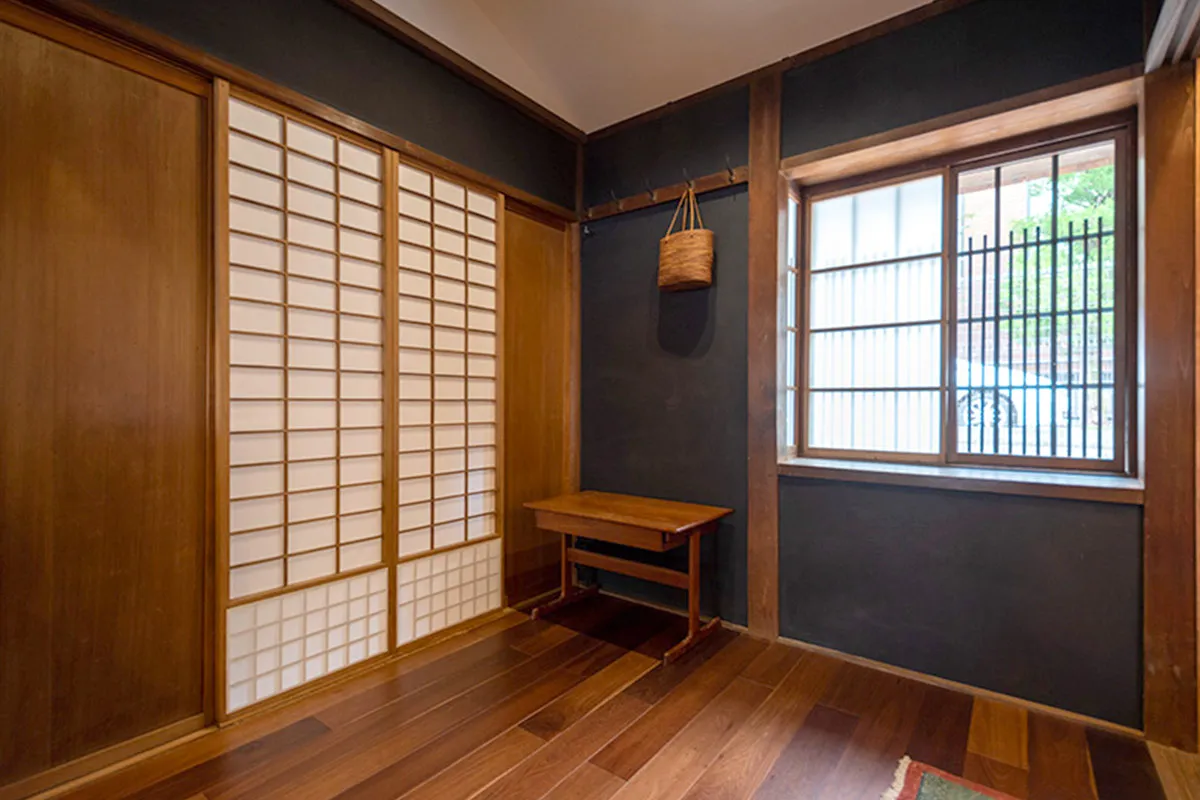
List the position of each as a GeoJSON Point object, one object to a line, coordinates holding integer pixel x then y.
{"type": "Point", "coordinates": [596, 62]}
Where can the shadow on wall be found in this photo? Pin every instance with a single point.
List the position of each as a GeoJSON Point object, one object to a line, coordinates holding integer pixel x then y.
{"type": "Point", "coordinates": [682, 319]}
{"type": "Point", "coordinates": [663, 388]}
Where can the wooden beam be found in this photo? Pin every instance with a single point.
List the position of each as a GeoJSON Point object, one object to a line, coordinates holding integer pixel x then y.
{"type": "Point", "coordinates": [1169, 557]}
{"type": "Point", "coordinates": [768, 214]}
{"type": "Point", "coordinates": [412, 36]}
{"type": "Point", "coordinates": [1176, 36]}
{"type": "Point", "coordinates": [667, 194]}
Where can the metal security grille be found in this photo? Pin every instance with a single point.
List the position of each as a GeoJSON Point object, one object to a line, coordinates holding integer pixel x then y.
{"type": "Point", "coordinates": [1021, 362]}
{"type": "Point", "coordinates": [1036, 324]}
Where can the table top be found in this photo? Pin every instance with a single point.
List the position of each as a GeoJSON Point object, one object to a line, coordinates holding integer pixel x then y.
{"type": "Point", "coordinates": [667, 516]}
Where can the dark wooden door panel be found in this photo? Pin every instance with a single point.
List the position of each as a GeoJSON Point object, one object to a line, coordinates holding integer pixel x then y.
{"type": "Point", "coordinates": [103, 293]}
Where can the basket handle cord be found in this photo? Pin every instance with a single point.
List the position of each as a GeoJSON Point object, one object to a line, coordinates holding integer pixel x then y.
{"type": "Point", "coordinates": [691, 213]}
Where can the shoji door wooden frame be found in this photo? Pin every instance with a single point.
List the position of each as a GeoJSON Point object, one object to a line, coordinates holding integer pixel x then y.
{"type": "Point", "coordinates": [222, 92]}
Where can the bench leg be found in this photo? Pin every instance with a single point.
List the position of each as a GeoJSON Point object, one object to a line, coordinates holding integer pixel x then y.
{"type": "Point", "coordinates": [696, 633]}
{"type": "Point", "coordinates": [568, 594]}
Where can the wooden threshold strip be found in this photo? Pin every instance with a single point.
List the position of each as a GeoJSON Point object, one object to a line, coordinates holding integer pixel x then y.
{"type": "Point", "coordinates": [667, 194]}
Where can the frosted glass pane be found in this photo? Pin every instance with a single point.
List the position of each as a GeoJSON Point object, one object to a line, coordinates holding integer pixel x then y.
{"type": "Point", "coordinates": [879, 224]}
{"type": "Point", "coordinates": [907, 291]}
{"type": "Point", "coordinates": [876, 357]}
{"type": "Point", "coordinates": [882, 422]}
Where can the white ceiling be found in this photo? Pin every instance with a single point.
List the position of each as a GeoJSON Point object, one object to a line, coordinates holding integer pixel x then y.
{"type": "Point", "coordinates": [596, 62]}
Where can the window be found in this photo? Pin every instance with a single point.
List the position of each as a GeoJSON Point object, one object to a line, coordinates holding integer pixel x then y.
{"type": "Point", "coordinates": [972, 313]}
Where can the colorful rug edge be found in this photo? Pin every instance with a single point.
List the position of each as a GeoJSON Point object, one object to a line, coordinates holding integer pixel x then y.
{"type": "Point", "coordinates": [907, 769]}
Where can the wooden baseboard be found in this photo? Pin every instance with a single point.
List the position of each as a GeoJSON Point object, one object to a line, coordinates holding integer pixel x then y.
{"type": "Point", "coordinates": [964, 688]}
{"type": "Point", "coordinates": [57, 780]}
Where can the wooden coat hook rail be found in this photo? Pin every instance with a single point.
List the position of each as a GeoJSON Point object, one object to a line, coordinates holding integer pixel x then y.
{"type": "Point", "coordinates": [667, 194]}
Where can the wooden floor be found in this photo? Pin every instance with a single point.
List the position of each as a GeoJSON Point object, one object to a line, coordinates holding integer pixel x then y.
{"type": "Point", "coordinates": [580, 708]}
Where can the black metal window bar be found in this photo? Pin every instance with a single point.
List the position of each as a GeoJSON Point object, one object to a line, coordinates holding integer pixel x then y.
{"type": "Point", "coordinates": [1035, 368]}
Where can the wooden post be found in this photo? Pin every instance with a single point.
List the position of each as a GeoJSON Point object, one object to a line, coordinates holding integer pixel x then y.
{"type": "Point", "coordinates": [762, 444]}
{"type": "Point", "coordinates": [1169, 555]}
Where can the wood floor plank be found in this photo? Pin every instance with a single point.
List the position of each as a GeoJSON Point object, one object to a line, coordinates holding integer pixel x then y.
{"type": "Point", "coordinates": [198, 778]}
{"type": "Point", "coordinates": [403, 773]}
{"type": "Point", "coordinates": [1058, 759]}
{"type": "Point", "coordinates": [939, 737]}
{"type": "Point", "coordinates": [588, 782]}
{"type": "Point", "coordinates": [1000, 731]}
{"type": "Point", "coordinates": [630, 751]}
{"type": "Point", "coordinates": [745, 761]}
{"type": "Point", "coordinates": [452, 678]}
{"type": "Point", "coordinates": [584, 698]}
{"type": "Point", "coordinates": [868, 765]}
{"type": "Point", "coordinates": [373, 743]}
{"type": "Point", "coordinates": [772, 664]}
{"type": "Point", "coordinates": [803, 769]}
{"type": "Point", "coordinates": [858, 689]}
{"type": "Point", "coordinates": [1178, 772]}
{"type": "Point", "coordinates": [552, 764]}
{"type": "Point", "coordinates": [673, 770]}
{"type": "Point", "coordinates": [172, 761]}
{"type": "Point", "coordinates": [657, 683]}
{"type": "Point", "coordinates": [482, 767]}
{"type": "Point", "coordinates": [543, 641]}
{"type": "Point", "coordinates": [997, 775]}
{"type": "Point", "coordinates": [1122, 767]}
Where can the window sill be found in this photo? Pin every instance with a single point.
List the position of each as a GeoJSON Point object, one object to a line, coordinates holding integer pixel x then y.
{"type": "Point", "coordinates": [1066, 485]}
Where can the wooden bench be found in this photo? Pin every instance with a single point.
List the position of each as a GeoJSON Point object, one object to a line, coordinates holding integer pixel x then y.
{"type": "Point", "coordinates": [641, 522]}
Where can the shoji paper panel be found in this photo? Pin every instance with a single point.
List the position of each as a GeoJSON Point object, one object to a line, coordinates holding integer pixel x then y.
{"type": "Point", "coordinates": [306, 353]}
{"type": "Point", "coordinates": [447, 364]}
{"type": "Point", "coordinates": [281, 642]}
{"type": "Point", "coordinates": [444, 589]}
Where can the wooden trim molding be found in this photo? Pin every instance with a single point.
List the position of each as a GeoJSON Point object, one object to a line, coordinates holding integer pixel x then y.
{"type": "Point", "coordinates": [412, 36]}
{"type": "Point", "coordinates": [1069, 102]}
{"type": "Point", "coordinates": [84, 14]}
{"type": "Point", "coordinates": [1169, 552]}
{"type": "Point", "coordinates": [768, 215]}
{"type": "Point", "coordinates": [90, 766]}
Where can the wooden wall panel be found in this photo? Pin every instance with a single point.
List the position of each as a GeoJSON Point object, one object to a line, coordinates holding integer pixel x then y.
{"type": "Point", "coordinates": [540, 298]}
{"type": "Point", "coordinates": [1170, 364]}
{"type": "Point", "coordinates": [103, 293]}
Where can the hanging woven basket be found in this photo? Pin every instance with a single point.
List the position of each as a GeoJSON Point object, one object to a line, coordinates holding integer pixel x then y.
{"type": "Point", "coordinates": [685, 257]}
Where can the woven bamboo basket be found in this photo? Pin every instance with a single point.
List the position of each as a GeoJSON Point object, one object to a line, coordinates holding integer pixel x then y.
{"type": "Point", "coordinates": [685, 257]}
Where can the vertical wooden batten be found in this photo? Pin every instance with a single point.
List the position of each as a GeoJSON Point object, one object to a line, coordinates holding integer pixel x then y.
{"type": "Point", "coordinates": [219, 370]}
{"type": "Point", "coordinates": [766, 203]}
{"type": "Point", "coordinates": [391, 380]}
{"type": "Point", "coordinates": [1170, 696]}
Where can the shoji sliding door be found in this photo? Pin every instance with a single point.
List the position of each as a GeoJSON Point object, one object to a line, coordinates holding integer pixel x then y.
{"type": "Point", "coordinates": [447, 284]}
{"type": "Point", "coordinates": [361, 324]}
{"type": "Point", "coordinates": [306, 403]}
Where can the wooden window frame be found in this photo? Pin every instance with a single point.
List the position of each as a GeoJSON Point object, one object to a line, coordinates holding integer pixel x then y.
{"type": "Point", "coordinates": [1120, 128]}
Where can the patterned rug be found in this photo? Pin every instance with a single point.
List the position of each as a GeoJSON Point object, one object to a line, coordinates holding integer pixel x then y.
{"type": "Point", "coordinates": [917, 781]}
